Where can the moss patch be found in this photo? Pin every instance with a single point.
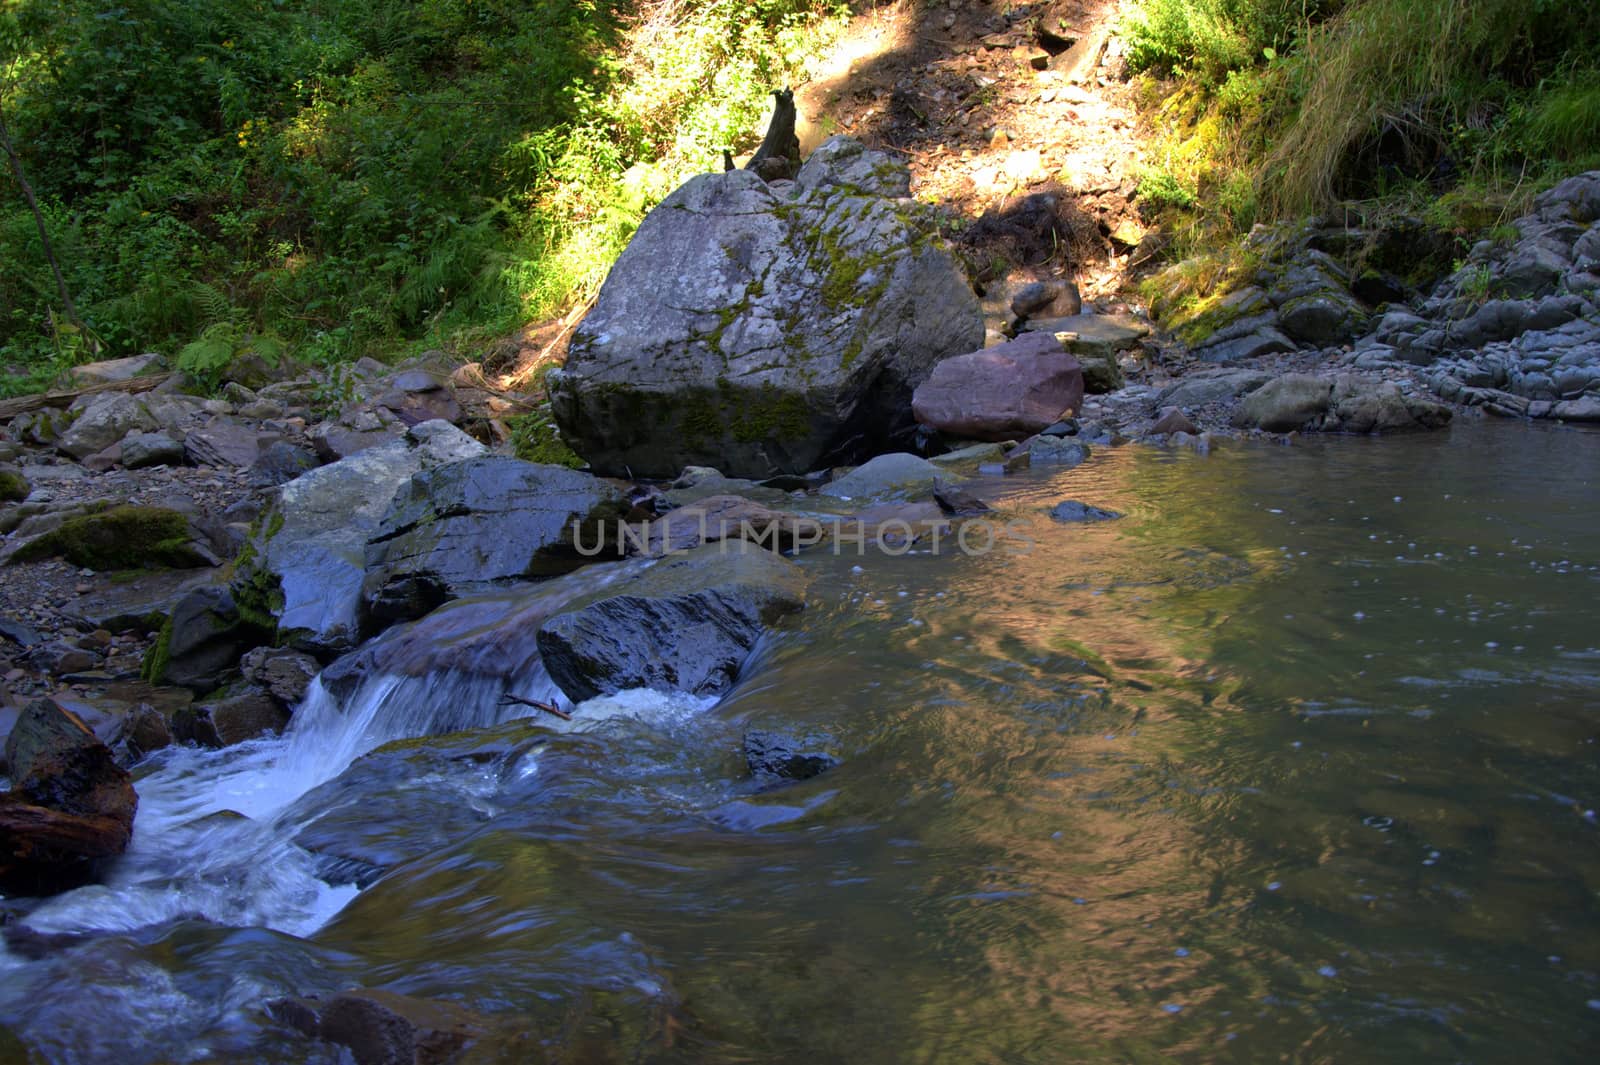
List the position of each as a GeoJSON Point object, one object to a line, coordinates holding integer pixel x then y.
{"type": "Point", "coordinates": [154, 666]}
{"type": "Point", "coordinates": [120, 538]}
{"type": "Point", "coordinates": [534, 438]}
{"type": "Point", "coordinates": [13, 487]}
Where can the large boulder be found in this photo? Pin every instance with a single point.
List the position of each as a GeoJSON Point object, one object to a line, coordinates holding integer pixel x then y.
{"type": "Point", "coordinates": [1006, 392]}
{"type": "Point", "coordinates": [1345, 404]}
{"type": "Point", "coordinates": [307, 563]}
{"type": "Point", "coordinates": [765, 333]}
{"type": "Point", "coordinates": [466, 527]}
{"type": "Point", "coordinates": [103, 420]}
{"type": "Point", "coordinates": [70, 804]}
{"type": "Point", "coordinates": [686, 624]}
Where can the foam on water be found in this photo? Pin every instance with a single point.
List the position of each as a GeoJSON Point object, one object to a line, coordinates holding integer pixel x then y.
{"type": "Point", "coordinates": [208, 841]}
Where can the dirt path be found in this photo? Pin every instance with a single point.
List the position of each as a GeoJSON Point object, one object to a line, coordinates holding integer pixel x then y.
{"type": "Point", "coordinates": [1016, 112]}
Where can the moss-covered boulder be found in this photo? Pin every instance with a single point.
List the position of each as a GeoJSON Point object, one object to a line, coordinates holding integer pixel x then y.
{"type": "Point", "coordinates": [13, 486]}
{"type": "Point", "coordinates": [120, 538]}
{"type": "Point", "coordinates": [762, 332]}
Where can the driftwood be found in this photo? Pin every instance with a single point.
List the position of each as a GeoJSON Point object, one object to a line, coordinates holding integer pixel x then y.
{"type": "Point", "coordinates": [10, 408]}
{"type": "Point", "coordinates": [549, 708]}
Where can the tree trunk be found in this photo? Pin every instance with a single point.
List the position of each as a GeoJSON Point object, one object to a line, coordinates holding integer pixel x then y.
{"type": "Point", "coordinates": [38, 220]}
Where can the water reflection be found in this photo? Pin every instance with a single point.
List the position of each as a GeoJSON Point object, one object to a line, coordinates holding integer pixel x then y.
{"type": "Point", "coordinates": [1280, 766]}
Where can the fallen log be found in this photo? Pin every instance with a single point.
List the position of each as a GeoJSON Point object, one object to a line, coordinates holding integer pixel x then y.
{"type": "Point", "coordinates": [10, 408]}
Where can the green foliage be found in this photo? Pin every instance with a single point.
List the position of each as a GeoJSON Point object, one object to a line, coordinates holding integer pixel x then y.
{"type": "Point", "coordinates": [1455, 110]}
{"type": "Point", "coordinates": [1160, 188]}
{"type": "Point", "coordinates": [346, 174]}
{"type": "Point", "coordinates": [1210, 38]}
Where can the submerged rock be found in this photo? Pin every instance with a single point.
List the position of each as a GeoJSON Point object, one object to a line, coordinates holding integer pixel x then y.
{"type": "Point", "coordinates": [1005, 392]}
{"type": "Point", "coordinates": [763, 334]}
{"type": "Point", "coordinates": [384, 1028]}
{"type": "Point", "coordinates": [777, 758]}
{"type": "Point", "coordinates": [468, 526]}
{"type": "Point", "coordinates": [70, 804]}
{"type": "Point", "coordinates": [685, 624]}
{"type": "Point", "coordinates": [1070, 510]}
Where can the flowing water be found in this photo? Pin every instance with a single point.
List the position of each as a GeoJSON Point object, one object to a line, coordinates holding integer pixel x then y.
{"type": "Point", "coordinates": [1295, 762]}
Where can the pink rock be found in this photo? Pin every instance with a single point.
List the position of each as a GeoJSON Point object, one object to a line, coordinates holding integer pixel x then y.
{"type": "Point", "coordinates": [1005, 392]}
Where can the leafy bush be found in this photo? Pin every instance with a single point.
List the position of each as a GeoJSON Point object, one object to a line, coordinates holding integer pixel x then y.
{"type": "Point", "coordinates": [352, 174]}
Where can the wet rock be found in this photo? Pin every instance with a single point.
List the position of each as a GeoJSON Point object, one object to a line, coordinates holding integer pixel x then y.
{"type": "Point", "coordinates": [466, 527]}
{"type": "Point", "coordinates": [245, 715]}
{"type": "Point", "coordinates": [777, 758]}
{"type": "Point", "coordinates": [280, 463]}
{"type": "Point", "coordinates": [1063, 451]}
{"type": "Point", "coordinates": [1072, 511]}
{"type": "Point", "coordinates": [956, 503]}
{"type": "Point", "coordinates": [384, 1028]}
{"type": "Point", "coordinates": [685, 624]}
{"type": "Point", "coordinates": [283, 673]}
{"type": "Point", "coordinates": [719, 518]}
{"type": "Point", "coordinates": [110, 371]}
{"type": "Point", "coordinates": [226, 444]}
{"type": "Point", "coordinates": [140, 450]}
{"type": "Point", "coordinates": [123, 537]}
{"type": "Point", "coordinates": [309, 559]}
{"type": "Point", "coordinates": [103, 421]}
{"type": "Point", "coordinates": [1001, 393]}
{"type": "Point", "coordinates": [144, 731]}
{"type": "Point", "coordinates": [70, 804]}
{"type": "Point", "coordinates": [203, 642]}
{"type": "Point", "coordinates": [761, 334]}
{"type": "Point", "coordinates": [703, 482]}
{"type": "Point", "coordinates": [896, 476]}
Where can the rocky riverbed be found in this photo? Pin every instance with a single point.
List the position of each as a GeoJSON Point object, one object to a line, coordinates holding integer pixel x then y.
{"type": "Point", "coordinates": [180, 567]}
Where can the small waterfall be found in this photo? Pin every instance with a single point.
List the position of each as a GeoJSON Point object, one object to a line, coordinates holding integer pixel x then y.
{"type": "Point", "coordinates": [208, 840]}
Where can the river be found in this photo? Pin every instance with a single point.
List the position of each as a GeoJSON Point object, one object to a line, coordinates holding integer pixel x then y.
{"type": "Point", "coordinates": [1297, 761]}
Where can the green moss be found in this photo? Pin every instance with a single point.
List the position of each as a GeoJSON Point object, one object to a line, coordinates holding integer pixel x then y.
{"type": "Point", "coordinates": [120, 538]}
{"type": "Point", "coordinates": [769, 416]}
{"type": "Point", "coordinates": [154, 666]}
{"type": "Point", "coordinates": [13, 486]}
{"type": "Point", "coordinates": [535, 438]}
